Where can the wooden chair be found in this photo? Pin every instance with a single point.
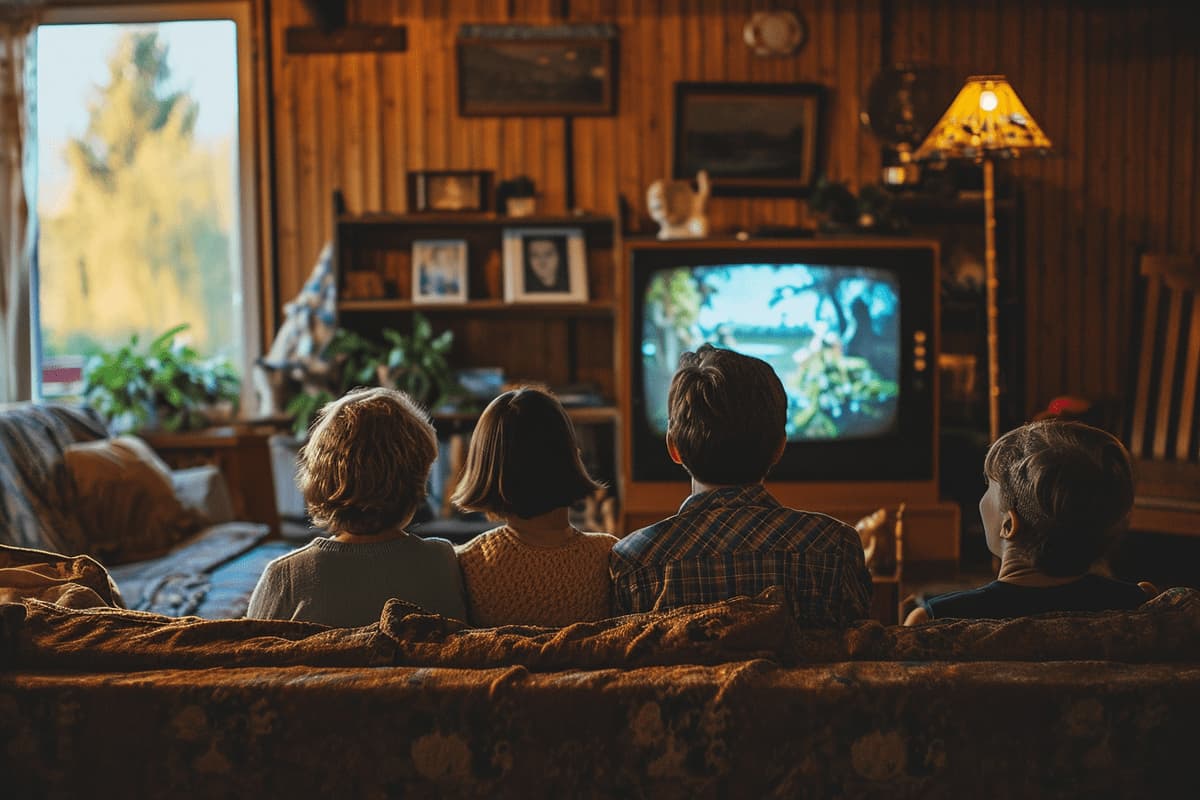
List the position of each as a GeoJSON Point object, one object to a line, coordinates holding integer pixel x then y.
{"type": "Point", "coordinates": [1164, 430]}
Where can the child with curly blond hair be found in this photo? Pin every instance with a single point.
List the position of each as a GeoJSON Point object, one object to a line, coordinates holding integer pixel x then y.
{"type": "Point", "coordinates": [363, 474]}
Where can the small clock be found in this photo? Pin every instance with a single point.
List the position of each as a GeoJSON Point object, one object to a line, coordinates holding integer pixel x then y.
{"type": "Point", "coordinates": [775, 33]}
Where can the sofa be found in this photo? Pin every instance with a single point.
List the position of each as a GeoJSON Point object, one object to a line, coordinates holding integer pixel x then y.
{"type": "Point", "coordinates": [167, 538]}
{"type": "Point", "coordinates": [725, 700]}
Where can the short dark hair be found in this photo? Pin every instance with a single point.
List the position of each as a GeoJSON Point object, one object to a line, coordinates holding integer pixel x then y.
{"type": "Point", "coordinates": [366, 462]}
{"type": "Point", "coordinates": [727, 416]}
{"type": "Point", "coordinates": [1071, 487]}
{"type": "Point", "coordinates": [523, 458]}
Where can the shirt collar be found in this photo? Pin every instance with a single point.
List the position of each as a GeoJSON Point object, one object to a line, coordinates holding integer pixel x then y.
{"type": "Point", "coordinates": [749, 494]}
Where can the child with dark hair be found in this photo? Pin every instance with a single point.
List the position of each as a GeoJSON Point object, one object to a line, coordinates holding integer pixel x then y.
{"type": "Point", "coordinates": [363, 473]}
{"type": "Point", "coordinates": [727, 416]}
{"type": "Point", "coordinates": [1057, 492]}
{"type": "Point", "coordinates": [523, 468]}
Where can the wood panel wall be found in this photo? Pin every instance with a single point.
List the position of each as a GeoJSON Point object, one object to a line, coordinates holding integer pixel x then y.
{"type": "Point", "coordinates": [1115, 86]}
{"type": "Point", "coordinates": [359, 122]}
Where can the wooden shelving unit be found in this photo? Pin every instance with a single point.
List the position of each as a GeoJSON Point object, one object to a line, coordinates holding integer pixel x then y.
{"type": "Point", "coordinates": [552, 343]}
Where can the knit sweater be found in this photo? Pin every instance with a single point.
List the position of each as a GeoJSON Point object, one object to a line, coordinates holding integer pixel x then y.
{"type": "Point", "coordinates": [346, 585]}
{"type": "Point", "coordinates": [511, 581]}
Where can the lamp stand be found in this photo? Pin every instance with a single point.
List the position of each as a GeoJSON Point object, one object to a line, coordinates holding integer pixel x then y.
{"type": "Point", "coordinates": [993, 311]}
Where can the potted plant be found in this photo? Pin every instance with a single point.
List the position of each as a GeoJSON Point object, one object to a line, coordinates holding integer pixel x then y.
{"type": "Point", "coordinates": [353, 362]}
{"type": "Point", "coordinates": [416, 364]}
{"type": "Point", "coordinates": [518, 196]}
{"type": "Point", "coordinates": [413, 363]}
{"type": "Point", "coordinates": [167, 385]}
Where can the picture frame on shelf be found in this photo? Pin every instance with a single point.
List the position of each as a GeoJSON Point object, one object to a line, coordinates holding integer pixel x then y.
{"type": "Point", "coordinates": [545, 265]}
{"type": "Point", "coordinates": [449, 190]}
{"type": "Point", "coordinates": [753, 139]}
{"type": "Point", "coordinates": [537, 70]}
{"type": "Point", "coordinates": [439, 271]}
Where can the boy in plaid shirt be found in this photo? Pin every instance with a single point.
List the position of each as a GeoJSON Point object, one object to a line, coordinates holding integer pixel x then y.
{"type": "Point", "coordinates": [727, 416]}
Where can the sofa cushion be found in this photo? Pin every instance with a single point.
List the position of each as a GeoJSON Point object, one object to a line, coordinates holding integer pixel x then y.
{"type": "Point", "coordinates": [34, 485]}
{"type": "Point", "coordinates": [736, 629]}
{"type": "Point", "coordinates": [125, 500]}
{"type": "Point", "coordinates": [68, 581]}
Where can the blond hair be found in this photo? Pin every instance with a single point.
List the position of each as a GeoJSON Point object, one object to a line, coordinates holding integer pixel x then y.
{"type": "Point", "coordinates": [366, 462]}
{"type": "Point", "coordinates": [1070, 485]}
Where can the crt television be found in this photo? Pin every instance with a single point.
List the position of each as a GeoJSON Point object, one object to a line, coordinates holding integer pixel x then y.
{"type": "Point", "coordinates": [850, 327]}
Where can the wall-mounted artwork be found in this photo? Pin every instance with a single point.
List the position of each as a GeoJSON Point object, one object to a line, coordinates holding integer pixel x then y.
{"type": "Point", "coordinates": [537, 70]}
{"type": "Point", "coordinates": [752, 138]}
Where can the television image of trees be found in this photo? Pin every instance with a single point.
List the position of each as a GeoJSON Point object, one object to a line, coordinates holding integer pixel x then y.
{"type": "Point", "coordinates": [831, 333]}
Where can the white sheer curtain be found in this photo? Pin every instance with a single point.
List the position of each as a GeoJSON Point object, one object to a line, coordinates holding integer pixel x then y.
{"type": "Point", "coordinates": [18, 181]}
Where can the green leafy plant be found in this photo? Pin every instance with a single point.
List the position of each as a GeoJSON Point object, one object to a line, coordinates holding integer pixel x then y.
{"type": "Point", "coordinates": [416, 363]}
{"type": "Point", "coordinates": [167, 384]}
{"type": "Point", "coordinates": [873, 209]}
{"type": "Point", "coordinates": [413, 363]}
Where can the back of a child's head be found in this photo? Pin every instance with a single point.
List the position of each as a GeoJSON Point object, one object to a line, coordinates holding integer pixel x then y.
{"type": "Point", "coordinates": [366, 462]}
{"type": "Point", "coordinates": [727, 416]}
{"type": "Point", "coordinates": [523, 459]}
{"type": "Point", "coordinates": [1071, 486]}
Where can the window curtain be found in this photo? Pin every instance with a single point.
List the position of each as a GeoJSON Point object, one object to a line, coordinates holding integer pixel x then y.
{"type": "Point", "coordinates": [18, 181]}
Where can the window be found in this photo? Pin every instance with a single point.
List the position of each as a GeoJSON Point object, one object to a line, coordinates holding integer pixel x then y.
{"type": "Point", "coordinates": [145, 184]}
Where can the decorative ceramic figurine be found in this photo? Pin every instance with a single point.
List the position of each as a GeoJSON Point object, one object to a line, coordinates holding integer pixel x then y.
{"type": "Point", "coordinates": [678, 209]}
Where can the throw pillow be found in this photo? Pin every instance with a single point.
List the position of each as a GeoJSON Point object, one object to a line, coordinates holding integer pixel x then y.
{"type": "Point", "coordinates": [125, 500]}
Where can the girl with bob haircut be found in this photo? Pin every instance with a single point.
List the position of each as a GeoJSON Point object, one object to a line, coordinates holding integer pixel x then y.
{"type": "Point", "coordinates": [1057, 493]}
{"type": "Point", "coordinates": [363, 474]}
{"type": "Point", "coordinates": [523, 469]}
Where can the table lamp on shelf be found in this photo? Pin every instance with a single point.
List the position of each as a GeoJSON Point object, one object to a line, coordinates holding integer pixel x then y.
{"type": "Point", "coordinates": [986, 121]}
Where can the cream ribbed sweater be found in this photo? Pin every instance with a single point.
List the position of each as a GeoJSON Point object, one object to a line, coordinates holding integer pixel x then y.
{"type": "Point", "coordinates": [511, 581]}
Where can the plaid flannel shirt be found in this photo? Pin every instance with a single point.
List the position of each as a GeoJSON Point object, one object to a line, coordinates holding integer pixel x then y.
{"type": "Point", "coordinates": [738, 541]}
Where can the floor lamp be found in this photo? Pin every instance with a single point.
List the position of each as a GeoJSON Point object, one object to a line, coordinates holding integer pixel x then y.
{"type": "Point", "coordinates": [986, 121]}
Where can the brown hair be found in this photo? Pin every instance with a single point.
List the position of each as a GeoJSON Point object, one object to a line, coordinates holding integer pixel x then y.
{"type": "Point", "coordinates": [366, 462]}
{"type": "Point", "coordinates": [727, 416]}
{"type": "Point", "coordinates": [523, 458]}
{"type": "Point", "coordinates": [1070, 485]}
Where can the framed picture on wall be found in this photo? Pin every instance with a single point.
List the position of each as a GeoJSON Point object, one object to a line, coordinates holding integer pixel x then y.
{"type": "Point", "coordinates": [439, 271]}
{"type": "Point", "coordinates": [545, 265]}
{"type": "Point", "coordinates": [536, 70]}
{"type": "Point", "coordinates": [753, 138]}
{"type": "Point", "coordinates": [449, 190]}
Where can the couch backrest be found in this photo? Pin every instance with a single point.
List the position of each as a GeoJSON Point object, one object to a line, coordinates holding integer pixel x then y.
{"type": "Point", "coordinates": [34, 489]}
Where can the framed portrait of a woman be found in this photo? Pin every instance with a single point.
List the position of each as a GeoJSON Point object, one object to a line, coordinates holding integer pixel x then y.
{"type": "Point", "coordinates": [545, 265]}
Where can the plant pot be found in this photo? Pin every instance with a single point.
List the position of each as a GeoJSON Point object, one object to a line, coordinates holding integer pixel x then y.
{"type": "Point", "coordinates": [521, 206]}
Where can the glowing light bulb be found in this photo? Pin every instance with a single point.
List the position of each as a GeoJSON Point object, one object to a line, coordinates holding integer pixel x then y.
{"type": "Point", "coordinates": [987, 100]}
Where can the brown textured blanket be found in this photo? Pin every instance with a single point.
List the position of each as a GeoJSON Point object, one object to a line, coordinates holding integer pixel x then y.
{"type": "Point", "coordinates": [49, 636]}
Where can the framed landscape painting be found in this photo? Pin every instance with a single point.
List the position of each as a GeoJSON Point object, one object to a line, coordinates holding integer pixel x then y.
{"type": "Point", "coordinates": [536, 70]}
{"type": "Point", "coordinates": [752, 138]}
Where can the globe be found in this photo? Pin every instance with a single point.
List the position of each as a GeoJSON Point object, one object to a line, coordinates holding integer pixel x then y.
{"type": "Point", "coordinates": [904, 101]}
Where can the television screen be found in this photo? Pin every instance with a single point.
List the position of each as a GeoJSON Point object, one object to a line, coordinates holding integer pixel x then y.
{"type": "Point", "coordinates": [831, 332]}
{"type": "Point", "coordinates": [848, 325]}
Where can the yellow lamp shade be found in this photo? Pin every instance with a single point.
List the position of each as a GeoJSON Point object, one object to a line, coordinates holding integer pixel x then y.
{"type": "Point", "coordinates": [986, 120]}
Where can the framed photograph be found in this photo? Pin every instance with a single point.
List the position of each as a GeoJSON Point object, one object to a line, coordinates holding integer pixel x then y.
{"type": "Point", "coordinates": [439, 272]}
{"type": "Point", "coordinates": [755, 139]}
{"type": "Point", "coordinates": [545, 265]}
{"type": "Point", "coordinates": [449, 190]}
{"type": "Point", "coordinates": [536, 70]}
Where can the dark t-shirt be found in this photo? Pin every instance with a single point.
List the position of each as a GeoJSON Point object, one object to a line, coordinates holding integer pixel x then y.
{"type": "Point", "coordinates": [999, 600]}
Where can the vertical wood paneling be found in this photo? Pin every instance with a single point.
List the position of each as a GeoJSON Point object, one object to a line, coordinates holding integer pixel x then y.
{"type": "Point", "coordinates": [1116, 85]}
